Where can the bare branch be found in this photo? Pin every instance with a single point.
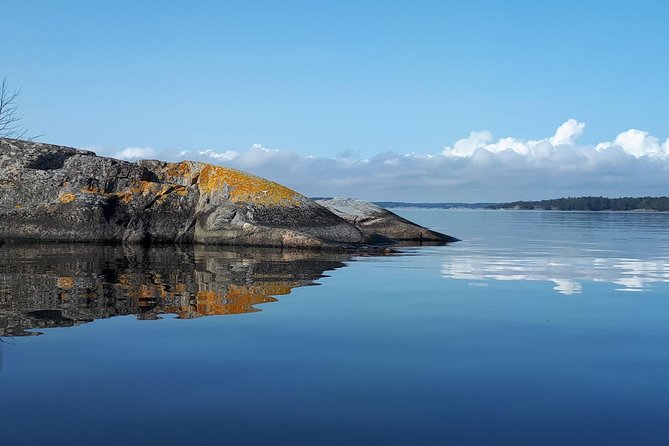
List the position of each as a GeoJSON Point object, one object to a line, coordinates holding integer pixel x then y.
{"type": "Point", "coordinates": [10, 118]}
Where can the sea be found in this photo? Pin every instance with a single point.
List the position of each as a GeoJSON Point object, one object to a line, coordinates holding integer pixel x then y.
{"type": "Point", "coordinates": [537, 328]}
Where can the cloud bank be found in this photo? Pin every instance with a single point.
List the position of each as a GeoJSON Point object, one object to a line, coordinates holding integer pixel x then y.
{"type": "Point", "coordinates": [475, 168]}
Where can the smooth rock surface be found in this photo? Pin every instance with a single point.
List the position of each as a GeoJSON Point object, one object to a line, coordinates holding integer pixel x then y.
{"type": "Point", "coordinates": [55, 193]}
{"type": "Point", "coordinates": [374, 221]}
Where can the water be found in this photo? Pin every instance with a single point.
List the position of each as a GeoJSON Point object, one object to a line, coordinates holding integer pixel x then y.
{"type": "Point", "coordinates": [538, 328]}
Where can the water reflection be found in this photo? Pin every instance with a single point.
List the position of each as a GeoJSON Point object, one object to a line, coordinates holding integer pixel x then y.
{"type": "Point", "coordinates": [568, 250]}
{"type": "Point", "coordinates": [566, 272]}
{"type": "Point", "coordinates": [45, 286]}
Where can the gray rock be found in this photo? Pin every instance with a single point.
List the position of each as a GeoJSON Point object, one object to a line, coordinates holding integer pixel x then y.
{"type": "Point", "coordinates": [55, 193]}
{"type": "Point", "coordinates": [375, 222]}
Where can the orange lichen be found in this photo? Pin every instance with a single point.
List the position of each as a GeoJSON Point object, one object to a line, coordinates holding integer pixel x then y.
{"type": "Point", "coordinates": [123, 279]}
{"type": "Point", "coordinates": [140, 188]}
{"type": "Point", "coordinates": [93, 190]}
{"type": "Point", "coordinates": [244, 188]}
{"type": "Point", "coordinates": [240, 187]}
{"type": "Point", "coordinates": [67, 198]}
{"type": "Point", "coordinates": [179, 173]}
{"type": "Point", "coordinates": [65, 283]}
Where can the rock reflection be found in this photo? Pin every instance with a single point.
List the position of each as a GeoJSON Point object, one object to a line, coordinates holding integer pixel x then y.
{"type": "Point", "coordinates": [44, 286]}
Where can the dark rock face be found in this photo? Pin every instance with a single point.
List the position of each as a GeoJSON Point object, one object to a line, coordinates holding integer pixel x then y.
{"type": "Point", "coordinates": [374, 221]}
{"type": "Point", "coordinates": [54, 193]}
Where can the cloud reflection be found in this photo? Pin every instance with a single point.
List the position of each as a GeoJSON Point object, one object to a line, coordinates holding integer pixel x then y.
{"type": "Point", "coordinates": [566, 272]}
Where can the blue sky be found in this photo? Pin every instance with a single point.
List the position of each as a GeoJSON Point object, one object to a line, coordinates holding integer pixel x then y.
{"type": "Point", "coordinates": [348, 87]}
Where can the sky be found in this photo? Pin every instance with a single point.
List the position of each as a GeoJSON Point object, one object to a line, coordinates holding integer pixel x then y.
{"type": "Point", "coordinates": [436, 101]}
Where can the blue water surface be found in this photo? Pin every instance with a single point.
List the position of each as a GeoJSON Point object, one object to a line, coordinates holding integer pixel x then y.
{"type": "Point", "coordinates": [546, 328]}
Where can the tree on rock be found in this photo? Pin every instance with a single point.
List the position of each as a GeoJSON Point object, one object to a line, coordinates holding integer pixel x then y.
{"type": "Point", "coordinates": [10, 119]}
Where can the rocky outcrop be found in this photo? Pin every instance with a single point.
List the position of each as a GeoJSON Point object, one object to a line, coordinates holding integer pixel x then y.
{"type": "Point", "coordinates": [374, 222]}
{"type": "Point", "coordinates": [55, 193]}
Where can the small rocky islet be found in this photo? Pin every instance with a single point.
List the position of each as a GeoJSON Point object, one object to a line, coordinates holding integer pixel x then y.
{"type": "Point", "coordinates": [51, 193]}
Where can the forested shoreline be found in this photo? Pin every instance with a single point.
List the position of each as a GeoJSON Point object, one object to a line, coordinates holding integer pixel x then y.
{"type": "Point", "coordinates": [591, 204]}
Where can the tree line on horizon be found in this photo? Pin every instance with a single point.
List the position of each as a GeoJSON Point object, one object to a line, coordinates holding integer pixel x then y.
{"type": "Point", "coordinates": [590, 204]}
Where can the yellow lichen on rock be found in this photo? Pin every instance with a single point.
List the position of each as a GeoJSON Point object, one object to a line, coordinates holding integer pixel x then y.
{"type": "Point", "coordinates": [140, 188]}
{"type": "Point", "coordinates": [67, 198]}
{"type": "Point", "coordinates": [181, 169]}
{"type": "Point", "coordinates": [177, 178]}
{"type": "Point", "coordinates": [65, 283]}
{"type": "Point", "coordinates": [245, 188]}
{"type": "Point", "coordinates": [184, 173]}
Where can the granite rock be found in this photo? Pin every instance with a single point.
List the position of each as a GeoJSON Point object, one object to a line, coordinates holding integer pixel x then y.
{"type": "Point", "coordinates": [55, 193]}
{"type": "Point", "coordinates": [375, 222]}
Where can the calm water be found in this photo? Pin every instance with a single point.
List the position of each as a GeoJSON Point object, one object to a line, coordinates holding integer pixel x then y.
{"type": "Point", "coordinates": [539, 328]}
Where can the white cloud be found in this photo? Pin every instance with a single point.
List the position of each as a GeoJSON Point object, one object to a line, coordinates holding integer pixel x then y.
{"type": "Point", "coordinates": [637, 143]}
{"type": "Point", "coordinates": [475, 168]}
{"type": "Point", "coordinates": [131, 153]}
{"type": "Point", "coordinates": [567, 133]}
{"type": "Point", "coordinates": [225, 156]}
{"type": "Point", "coordinates": [467, 146]}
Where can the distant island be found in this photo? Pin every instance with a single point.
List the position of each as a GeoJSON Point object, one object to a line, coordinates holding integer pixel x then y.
{"type": "Point", "coordinates": [590, 204]}
{"type": "Point", "coordinates": [408, 204]}
{"type": "Point", "coordinates": [557, 204]}
{"type": "Point", "coordinates": [403, 204]}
